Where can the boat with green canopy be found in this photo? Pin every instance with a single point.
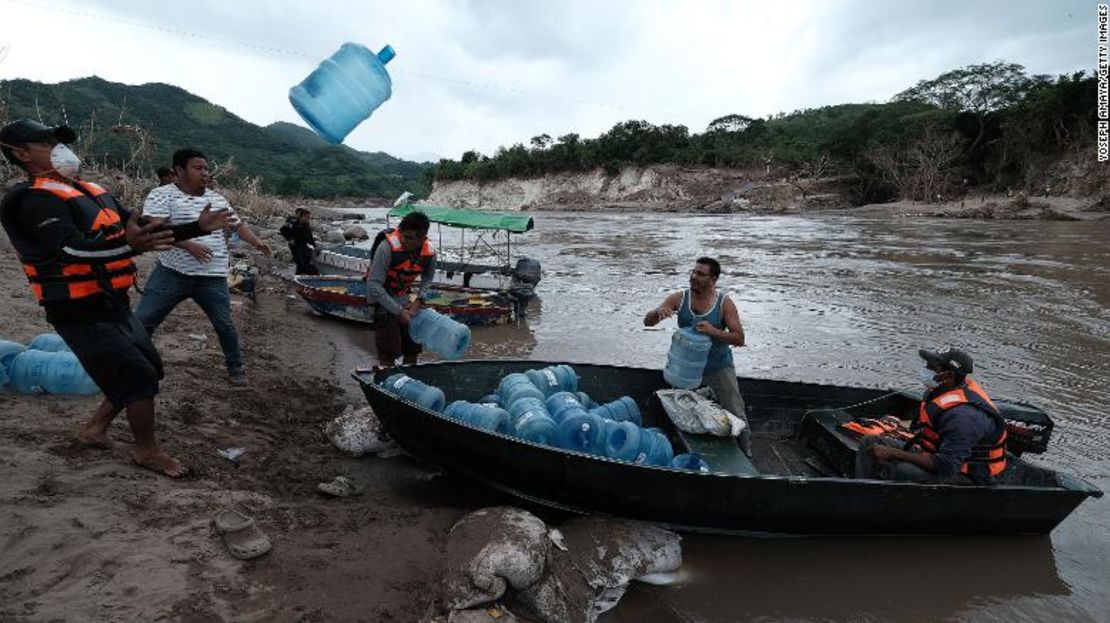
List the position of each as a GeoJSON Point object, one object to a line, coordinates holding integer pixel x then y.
{"type": "Point", "coordinates": [488, 252]}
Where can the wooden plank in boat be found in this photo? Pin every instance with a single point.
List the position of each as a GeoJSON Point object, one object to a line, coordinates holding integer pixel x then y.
{"type": "Point", "coordinates": [722, 454]}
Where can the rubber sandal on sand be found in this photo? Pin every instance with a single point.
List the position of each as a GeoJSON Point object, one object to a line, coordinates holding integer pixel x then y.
{"type": "Point", "coordinates": [243, 538]}
{"type": "Point", "coordinates": [340, 487]}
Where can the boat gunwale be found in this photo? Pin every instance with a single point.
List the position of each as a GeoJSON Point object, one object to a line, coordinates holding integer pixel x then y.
{"type": "Point", "coordinates": [1081, 485]}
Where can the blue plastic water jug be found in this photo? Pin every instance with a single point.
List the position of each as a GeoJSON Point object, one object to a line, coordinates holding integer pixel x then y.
{"type": "Point", "coordinates": [622, 440]}
{"type": "Point", "coordinates": [48, 342]}
{"type": "Point", "coordinates": [623, 409]}
{"type": "Point", "coordinates": [410, 389]}
{"type": "Point", "coordinates": [485, 417]}
{"type": "Point", "coordinates": [655, 448]}
{"type": "Point", "coordinates": [559, 402]}
{"type": "Point", "coordinates": [515, 387]}
{"type": "Point", "coordinates": [526, 404]}
{"type": "Point", "coordinates": [661, 452]}
{"type": "Point", "coordinates": [687, 357]}
{"type": "Point", "coordinates": [582, 432]}
{"type": "Point", "coordinates": [440, 334]}
{"type": "Point", "coordinates": [535, 425]}
{"type": "Point", "coordinates": [584, 398]}
{"type": "Point", "coordinates": [490, 399]}
{"type": "Point", "coordinates": [691, 461]}
{"type": "Point", "coordinates": [509, 381]}
{"type": "Point", "coordinates": [516, 393]}
{"type": "Point", "coordinates": [36, 371]}
{"type": "Point", "coordinates": [560, 378]}
{"type": "Point", "coordinates": [343, 91]}
{"type": "Point", "coordinates": [8, 351]}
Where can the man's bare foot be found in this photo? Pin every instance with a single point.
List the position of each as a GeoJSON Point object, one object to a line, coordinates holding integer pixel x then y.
{"type": "Point", "coordinates": [162, 463]}
{"type": "Point", "coordinates": [99, 440]}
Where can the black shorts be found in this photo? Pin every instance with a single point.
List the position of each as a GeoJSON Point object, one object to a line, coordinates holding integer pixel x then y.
{"type": "Point", "coordinates": [119, 357]}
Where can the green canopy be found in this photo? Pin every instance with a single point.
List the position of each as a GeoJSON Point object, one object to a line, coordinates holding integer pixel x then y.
{"type": "Point", "coordinates": [470, 219]}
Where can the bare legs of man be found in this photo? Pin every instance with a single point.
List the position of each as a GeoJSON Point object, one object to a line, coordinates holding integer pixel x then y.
{"type": "Point", "coordinates": [140, 415]}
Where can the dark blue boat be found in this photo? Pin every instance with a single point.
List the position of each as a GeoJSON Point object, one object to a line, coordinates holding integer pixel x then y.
{"type": "Point", "coordinates": [797, 483]}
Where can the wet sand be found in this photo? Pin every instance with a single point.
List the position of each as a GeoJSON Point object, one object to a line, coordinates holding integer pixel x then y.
{"type": "Point", "coordinates": [88, 536]}
{"type": "Point", "coordinates": [834, 298]}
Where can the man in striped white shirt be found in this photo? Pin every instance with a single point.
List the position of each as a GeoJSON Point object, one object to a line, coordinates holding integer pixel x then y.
{"type": "Point", "coordinates": [195, 269]}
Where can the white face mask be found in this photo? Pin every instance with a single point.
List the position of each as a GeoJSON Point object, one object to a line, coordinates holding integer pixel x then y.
{"type": "Point", "coordinates": [926, 375]}
{"type": "Point", "coordinates": [64, 161]}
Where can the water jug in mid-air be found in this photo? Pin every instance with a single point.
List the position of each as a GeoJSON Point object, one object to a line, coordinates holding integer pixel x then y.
{"type": "Point", "coordinates": [343, 90]}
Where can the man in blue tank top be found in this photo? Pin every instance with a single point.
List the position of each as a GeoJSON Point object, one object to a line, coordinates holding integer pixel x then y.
{"type": "Point", "coordinates": [713, 313]}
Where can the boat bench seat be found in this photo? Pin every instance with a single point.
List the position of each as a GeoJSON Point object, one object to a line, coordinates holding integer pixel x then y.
{"type": "Point", "coordinates": [722, 454]}
{"type": "Point", "coordinates": [820, 431]}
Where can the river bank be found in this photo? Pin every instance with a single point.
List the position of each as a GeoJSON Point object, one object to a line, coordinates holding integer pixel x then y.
{"type": "Point", "coordinates": [840, 300]}
{"type": "Point", "coordinates": [89, 536]}
{"type": "Point", "coordinates": [1080, 194]}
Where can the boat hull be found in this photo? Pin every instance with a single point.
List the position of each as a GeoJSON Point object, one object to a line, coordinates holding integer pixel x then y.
{"type": "Point", "coordinates": [706, 502]}
{"type": "Point", "coordinates": [345, 297]}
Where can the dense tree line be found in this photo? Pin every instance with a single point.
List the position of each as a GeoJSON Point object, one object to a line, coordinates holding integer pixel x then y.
{"type": "Point", "coordinates": [982, 125]}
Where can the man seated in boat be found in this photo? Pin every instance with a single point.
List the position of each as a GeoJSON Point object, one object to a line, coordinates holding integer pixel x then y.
{"type": "Point", "coordinates": [713, 313]}
{"type": "Point", "coordinates": [403, 256]}
{"type": "Point", "coordinates": [961, 434]}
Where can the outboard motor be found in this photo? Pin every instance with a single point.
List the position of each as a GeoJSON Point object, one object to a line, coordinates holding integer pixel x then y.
{"type": "Point", "coordinates": [526, 274]}
{"type": "Point", "coordinates": [527, 270]}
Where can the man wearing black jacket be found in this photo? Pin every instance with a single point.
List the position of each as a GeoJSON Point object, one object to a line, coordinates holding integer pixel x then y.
{"type": "Point", "coordinates": [76, 242]}
{"type": "Point", "coordinates": [297, 230]}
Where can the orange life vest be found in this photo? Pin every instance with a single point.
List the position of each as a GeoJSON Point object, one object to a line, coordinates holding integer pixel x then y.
{"type": "Point", "coordinates": [96, 214]}
{"type": "Point", "coordinates": [405, 267]}
{"type": "Point", "coordinates": [990, 454]}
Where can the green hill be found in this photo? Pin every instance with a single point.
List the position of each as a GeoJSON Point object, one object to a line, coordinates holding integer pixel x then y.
{"type": "Point", "coordinates": [137, 128]}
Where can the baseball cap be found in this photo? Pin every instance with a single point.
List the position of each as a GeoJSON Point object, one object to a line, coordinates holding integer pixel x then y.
{"type": "Point", "coordinates": [952, 359]}
{"type": "Point", "coordinates": [23, 131]}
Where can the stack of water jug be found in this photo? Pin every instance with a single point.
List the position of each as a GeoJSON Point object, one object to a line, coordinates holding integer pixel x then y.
{"type": "Point", "coordinates": [545, 406]}
{"type": "Point", "coordinates": [440, 334]}
{"type": "Point", "coordinates": [46, 365]}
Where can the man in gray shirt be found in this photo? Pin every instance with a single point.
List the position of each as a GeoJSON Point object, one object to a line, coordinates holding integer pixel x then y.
{"type": "Point", "coordinates": [403, 256]}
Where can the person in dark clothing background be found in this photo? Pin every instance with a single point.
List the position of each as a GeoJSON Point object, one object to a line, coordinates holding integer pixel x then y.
{"type": "Point", "coordinates": [165, 175]}
{"type": "Point", "coordinates": [961, 434]}
{"type": "Point", "coordinates": [76, 242]}
{"type": "Point", "coordinates": [297, 230]}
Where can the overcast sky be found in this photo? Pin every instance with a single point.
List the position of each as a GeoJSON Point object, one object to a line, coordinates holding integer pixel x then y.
{"type": "Point", "coordinates": [478, 74]}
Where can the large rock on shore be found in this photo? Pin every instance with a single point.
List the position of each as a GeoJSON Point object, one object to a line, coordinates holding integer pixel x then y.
{"type": "Point", "coordinates": [568, 575]}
